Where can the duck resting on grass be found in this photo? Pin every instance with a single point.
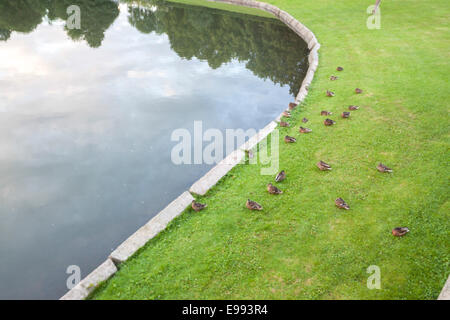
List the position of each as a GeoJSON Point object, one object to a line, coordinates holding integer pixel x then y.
{"type": "Point", "coordinates": [292, 106]}
{"type": "Point", "coordinates": [197, 206]}
{"type": "Point", "coordinates": [400, 231]}
{"type": "Point", "coordinates": [252, 205]}
{"type": "Point", "coordinates": [281, 176]}
{"type": "Point", "coordinates": [345, 115]}
{"type": "Point", "coordinates": [305, 120]}
{"type": "Point", "coordinates": [339, 69]}
{"type": "Point", "coordinates": [289, 139]}
{"type": "Point", "coordinates": [358, 90]}
{"type": "Point", "coordinates": [325, 113]}
{"type": "Point", "coordinates": [330, 93]}
{"type": "Point", "coordinates": [352, 107]}
{"type": "Point", "coordinates": [323, 166]}
{"type": "Point", "coordinates": [304, 130]}
{"type": "Point", "coordinates": [284, 124]}
{"type": "Point", "coordinates": [273, 190]}
{"type": "Point", "coordinates": [286, 114]}
{"type": "Point", "coordinates": [382, 168]}
{"type": "Point", "coordinates": [340, 203]}
{"type": "Point", "coordinates": [332, 78]}
{"type": "Point", "coordinates": [329, 122]}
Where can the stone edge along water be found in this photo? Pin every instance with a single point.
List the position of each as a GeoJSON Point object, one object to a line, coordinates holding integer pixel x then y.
{"type": "Point", "coordinates": [158, 223]}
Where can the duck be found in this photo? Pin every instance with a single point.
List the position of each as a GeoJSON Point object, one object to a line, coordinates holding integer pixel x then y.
{"type": "Point", "coordinates": [304, 130]}
{"type": "Point", "coordinates": [252, 205]}
{"type": "Point", "coordinates": [340, 69]}
{"type": "Point", "coordinates": [330, 93]}
{"type": "Point", "coordinates": [400, 231]}
{"type": "Point", "coordinates": [284, 124]}
{"type": "Point", "coordinates": [286, 114]}
{"type": "Point", "coordinates": [345, 114]}
{"type": "Point", "coordinates": [352, 107]}
{"type": "Point", "coordinates": [332, 78]}
{"type": "Point", "coordinates": [289, 139]}
{"type": "Point", "coordinates": [280, 176]}
{"type": "Point", "coordinates": [292, 106]}
{"type": "Point", "coordinates": [273, 190]}
{"type": "Point", "coordinates": [197, 206]}
{"type": "Point", "coordinates": [305, 120]}
{"type": "Point", "coordinates": [382, 168]}
{"type": "Point", "coordinates": [340, 203]}
{"type": "Point", "coordinates": [329, 122]}
{"type": "Point", "coordinates": [358, 90]}
{"type": "Point", "coordinates": [323, 166]}
{"type": "Point", "coordinates": [325, 113]}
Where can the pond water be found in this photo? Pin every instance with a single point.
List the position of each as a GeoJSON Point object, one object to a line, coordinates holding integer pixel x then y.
{"type": "Point", "coordinates": [86, 117]}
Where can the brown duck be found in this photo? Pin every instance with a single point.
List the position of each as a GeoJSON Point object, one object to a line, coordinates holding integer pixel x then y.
{"type": "Point", "coordinates": [345, 114]}
{"type": "Point", "coordinates": [305, 120]}
{"type": "Point", "coordinates": [252, 205]}
{"type": "Point", "coordinates": [382, 168]}
{"type": "Point", "coordinates": [198, 206]}
{"type": "Point", "coordinates": [323, 166]}
{"type": "Point", "coordinates": [330, 93]}
{"type": "Point", "coordinates": [284, 124]}
{"type": "Point", "coordinates": [292, 106]}
{"type": "Point", "coordinates": [325, 113]}
{"type": "Point", "coordinates": [340, 203]}
{"type": "Point", "coordinates": [273, 190]}
{"type": "Point", "coordinates": [328, 122]}
{"type": "Point", "coordinates": [289, 139]}
{"type": "Point", "coordinates": [339, 69]}
{"type": "Point", "coordinates": [400, 231]}
{"type": "Point", "coordinates": [305, 130]}
{"type": "Point", "coordinates": [358, 90]}
{"type": "Point", "coordinates": [332, 78]}
{"type": "Point", "coordinates": [281, 176]}
{"type": "Point", "coordinates": [352, 107]}
{"type": "Point", "coordinates": [286, 114]}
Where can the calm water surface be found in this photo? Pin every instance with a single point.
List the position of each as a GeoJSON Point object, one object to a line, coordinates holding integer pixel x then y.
{"type": "Point", "coordinates": [86, 117]}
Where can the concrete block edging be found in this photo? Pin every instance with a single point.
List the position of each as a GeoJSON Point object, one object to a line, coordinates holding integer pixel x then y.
{"type": "Point", "coordinates": [158, 223]}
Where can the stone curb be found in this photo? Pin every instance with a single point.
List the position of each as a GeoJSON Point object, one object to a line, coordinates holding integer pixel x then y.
{"type": "Point", "coordinates": [445, 293]}
{"type": "Point", "coordinates": [213, 176]}
{"type": "Point", "coordinates": [201, 187]}
{"type": "Point", "coordinates": [261, 135]}
{"type": "Point", "coordinates": [151, 229]}
{"type": "Point", "coordinates": [88, 284]}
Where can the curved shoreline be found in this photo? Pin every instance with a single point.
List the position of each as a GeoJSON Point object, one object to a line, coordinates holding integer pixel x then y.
{"type": "Point", "coordinates": [159, 222]}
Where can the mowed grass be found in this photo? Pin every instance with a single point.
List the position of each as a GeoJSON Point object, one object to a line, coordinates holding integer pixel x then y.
{"type": "Point", "coordinates": [301, 246]}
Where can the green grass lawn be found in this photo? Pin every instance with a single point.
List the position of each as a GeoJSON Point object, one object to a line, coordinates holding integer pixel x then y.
{"type": "Point", "coordinates": [301, 246]}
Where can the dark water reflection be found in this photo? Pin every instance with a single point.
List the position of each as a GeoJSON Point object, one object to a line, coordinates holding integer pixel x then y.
{"type": "Point", "coordinates": [86, 117]}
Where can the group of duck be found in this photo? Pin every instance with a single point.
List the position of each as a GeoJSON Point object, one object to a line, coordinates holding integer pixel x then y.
{"type": "Point", "coordinates": [323, 166]}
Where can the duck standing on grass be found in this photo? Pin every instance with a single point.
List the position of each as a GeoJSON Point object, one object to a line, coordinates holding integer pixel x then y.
{"type": "Point", "coordinates": [252, 205]}
{"type": "Point", "coordinates": [345, 115]}
{"type": "Point", "coordinates": [328, 122]}
{"type": "Point", "coordinates": [340, 203]}
{"type": "Point", "coordinates": [198, 206]}
{"type": "Point", "coordinates": [281, 176]}
{"type": "Point", "coordinates": [286, 114]}
{"type": "Point", "coordinates": [289, 139]}
{"type": "Point", "coordinates": [304, 130]}
{"type": "Point", "coordinates": [323, 166]}
{"type": "Point", "coordinates": [400, 231]}
{"type": "Point", "coordinates": [325, 113]}
{"type": "Point", "coordinates": [382, 168]}
{"type": "Point", "coordinates": [273, 190]}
